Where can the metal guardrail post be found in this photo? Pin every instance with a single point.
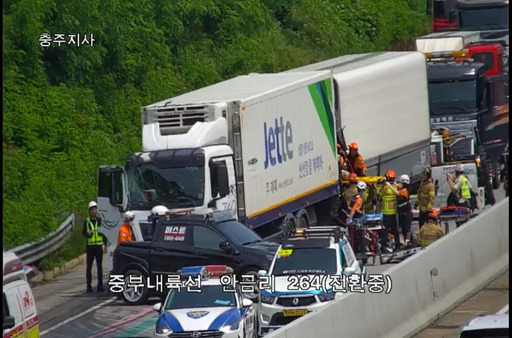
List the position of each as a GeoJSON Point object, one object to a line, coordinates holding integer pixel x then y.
{"type": "Point", "coordinates": [32, 252]}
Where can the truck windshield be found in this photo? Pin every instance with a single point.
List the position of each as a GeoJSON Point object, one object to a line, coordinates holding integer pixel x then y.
{"type": "Point", "coordinates": [176, 187]}
{"type": "Point", "coordinates": [452, 97]}
{"type": "Point", "coordinates": [210, 296]}
{"type": "Point", "coordinates": [442, 8]}
{"type": "Point", "coordinates": [483, 19]}
{"type": "Point", "coordinates": [306, 261]}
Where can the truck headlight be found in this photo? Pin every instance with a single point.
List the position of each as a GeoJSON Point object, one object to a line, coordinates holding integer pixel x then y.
{"type": "Point", "coordinates": [267, 299]}
{"type": "Point", "coordinates": [325, 297]}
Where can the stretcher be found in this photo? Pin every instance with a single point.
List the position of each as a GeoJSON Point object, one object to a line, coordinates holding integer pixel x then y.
{"type": "Point", "coordinates": [456, 214]}
{"type": "Point", "coordinates": [371, 225]}
{"type": "Point", "coordinates": [367, 180]}
{"type": "Point", "coordinates": [398, 256]}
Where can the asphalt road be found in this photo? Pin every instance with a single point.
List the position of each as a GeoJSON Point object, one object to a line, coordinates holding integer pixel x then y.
{"type": "Point", "coordinates": [65, 310]}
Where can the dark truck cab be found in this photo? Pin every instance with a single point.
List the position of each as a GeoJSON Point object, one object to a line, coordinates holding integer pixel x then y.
{"type": "Point", "coordinates": [461, 92]}
{"type": "Point", "coordinates": [190, 240]}
{"type": "Point", "coordinates": [482, 15]}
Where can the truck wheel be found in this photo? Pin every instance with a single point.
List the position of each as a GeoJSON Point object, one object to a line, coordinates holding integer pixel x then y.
{"type": "Point", "coordinates": [489, 195]}
{"type": "Point", "coordinates": [303, 222]}
{"type": "Point", "coordinates": [135, 296]}
{"type": "Point", "coordinates": [251, 295]}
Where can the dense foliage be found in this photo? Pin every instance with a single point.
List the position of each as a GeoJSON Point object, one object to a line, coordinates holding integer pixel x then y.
{"type": "Point", "coordinates": [69, 109]}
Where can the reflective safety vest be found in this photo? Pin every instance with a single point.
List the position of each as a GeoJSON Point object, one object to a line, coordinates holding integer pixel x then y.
{"type": "Point", "coordinates": [388, 201]}
{"type": "Point", "coordinates": [465, 192]}
{"type": "Point", "coordinates": [96, 238]}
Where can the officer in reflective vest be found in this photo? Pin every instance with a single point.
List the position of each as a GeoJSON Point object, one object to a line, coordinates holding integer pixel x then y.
{"type": "Point", "coordinates": [460, 186]}
{"type": "Point", "coordinates": [389, 209]}
{"type": "Point", "coordinates": [96, 246]}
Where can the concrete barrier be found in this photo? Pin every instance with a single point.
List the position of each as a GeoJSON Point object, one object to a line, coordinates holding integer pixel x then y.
{"type": "Point", "coordinates": [424, 287]}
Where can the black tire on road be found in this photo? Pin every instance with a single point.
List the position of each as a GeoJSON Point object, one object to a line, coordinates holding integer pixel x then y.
{"type": "Point", "coordinates": [129, 295]}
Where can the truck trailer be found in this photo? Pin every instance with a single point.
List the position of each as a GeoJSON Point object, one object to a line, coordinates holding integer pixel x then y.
{"type": "Point", "coordinates": [261, 146]}
{"type": "Point", "coordinates": [381, 103]}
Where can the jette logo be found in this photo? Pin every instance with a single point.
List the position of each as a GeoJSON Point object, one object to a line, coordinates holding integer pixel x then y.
{"type": "Point", "coordinates": [278, 142]}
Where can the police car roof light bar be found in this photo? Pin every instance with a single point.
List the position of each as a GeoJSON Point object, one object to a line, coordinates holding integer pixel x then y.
{"type": "Point", "coordinates": [194, 271]}
{"type": "Point", "coordinates": [219, 270]}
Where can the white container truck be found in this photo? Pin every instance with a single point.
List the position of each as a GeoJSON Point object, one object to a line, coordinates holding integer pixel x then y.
{"type": "Point", "coordinates": [261, 146]}
{"type": "Point", "coordinates": [381, 103]}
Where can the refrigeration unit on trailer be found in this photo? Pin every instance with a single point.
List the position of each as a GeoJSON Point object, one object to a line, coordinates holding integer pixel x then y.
{"type": "Point", "coordinates": [381, 103]}
{"type": "Point", "coordinates": [261, 146]}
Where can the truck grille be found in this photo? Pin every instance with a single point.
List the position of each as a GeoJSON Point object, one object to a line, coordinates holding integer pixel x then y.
{"type": "Point", "coordinates": [178, 120]}
{"type": "Point", "coordinates": [197, 334]}
{"type": "Point", "coordinates": [303, 301]}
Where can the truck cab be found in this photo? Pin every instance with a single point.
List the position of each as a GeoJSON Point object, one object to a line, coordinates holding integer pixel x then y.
{"type": "Point", "coordinates": [459, 91]}
{"type": "Point", "coordinates": [482, 15]}
{"type": "Point", "coordinates": [441, 13]}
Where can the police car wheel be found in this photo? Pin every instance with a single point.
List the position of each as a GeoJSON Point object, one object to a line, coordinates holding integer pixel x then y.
{"type": "Point", "coordinates": [132, 295]}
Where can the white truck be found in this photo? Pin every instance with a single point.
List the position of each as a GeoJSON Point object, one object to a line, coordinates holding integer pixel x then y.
{"type": "Point", "coordinates": [261, 146]}
{"type": "Point", "coordinates": [381, 103]}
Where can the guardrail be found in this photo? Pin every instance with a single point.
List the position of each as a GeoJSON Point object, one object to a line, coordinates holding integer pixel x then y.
{"type": "Point", "coordinates": [32, 252]}
{"type": "Point", "coordinates": [424, 287]}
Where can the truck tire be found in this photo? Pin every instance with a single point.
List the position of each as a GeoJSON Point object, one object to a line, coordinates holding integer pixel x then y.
{"type": "Point", "coordinates": [303, 222]}
{"type": "Point", "coordinates": [489, 195]}
{"type": "Point", "coordinates": [130, 294]}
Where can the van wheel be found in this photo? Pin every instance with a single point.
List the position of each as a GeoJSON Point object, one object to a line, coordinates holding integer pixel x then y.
{"type": "Point", "coordinates": [132, 295]}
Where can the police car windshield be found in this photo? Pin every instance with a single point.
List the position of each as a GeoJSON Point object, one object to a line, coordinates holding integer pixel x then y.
{"type": "Point", "coordinates": [305, 261]}
{"type": "Point", "coordinates": [208, 296]}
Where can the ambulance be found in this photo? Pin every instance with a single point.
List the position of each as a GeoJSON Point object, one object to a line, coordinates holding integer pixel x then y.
{"type": "Point", "coordinates": [20, 317]}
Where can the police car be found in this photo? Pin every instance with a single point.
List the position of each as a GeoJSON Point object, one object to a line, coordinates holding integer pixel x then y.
{"type": "Point", "coordinates": [300, 277]}
{"type": "Point", "coordinates": [214, 311]}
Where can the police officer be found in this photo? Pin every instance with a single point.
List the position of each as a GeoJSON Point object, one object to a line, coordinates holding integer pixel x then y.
{"type": "Point", "coordinates": [426, 196]}
{"type": "Point", "coordinates": [96, 246]}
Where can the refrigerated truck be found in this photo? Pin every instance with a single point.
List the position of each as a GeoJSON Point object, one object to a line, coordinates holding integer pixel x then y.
{"type": "Point", "coordinates": [261, 147]}
{"type": "Point", "coordinates": [381, 103]}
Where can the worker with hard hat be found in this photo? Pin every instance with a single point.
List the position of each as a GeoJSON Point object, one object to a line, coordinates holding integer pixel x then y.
{"type": "Point", "coordinates": [404, 208]}
{"type": "Point", "coordinates": [356, 211]}
{"type": "Point", "coordinates": [431, 231]}
{"type": "Point", "coordinates": [388, 209]}
{"type": "Point", "coordinates": [426, 196]}
{"type": "Point", "coordinates": [126, 230]}
{"type": "Point", "coordinates": [460, 186]}
{"type": "Point", "coordinates": [96, 246]}
{"type": "Point", "coordinates": [355, 162]}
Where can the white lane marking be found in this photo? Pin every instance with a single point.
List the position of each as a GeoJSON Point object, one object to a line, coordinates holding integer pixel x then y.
{"type": "Point", "coordinates": [503, 310]}
{"type": "Point", "coordinates": [78, 315]}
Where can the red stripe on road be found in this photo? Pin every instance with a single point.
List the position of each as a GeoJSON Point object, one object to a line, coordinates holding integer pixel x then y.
{"type": "Point", "coordinates": [123, 322]}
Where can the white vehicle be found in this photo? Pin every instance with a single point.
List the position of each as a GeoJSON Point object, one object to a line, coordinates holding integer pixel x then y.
{"type": "Point", "coordinates": [261, 146]}
{"type": "Point", "coordinates": [383, 110]}
{"type": "Point", "coordinates": [487, 326]}
{"type": "Point", "coordinates": [303, 270]}
{"type": "Point", "coordinates": [20, 318]}
{"type": "Point", "coordinates": [211, 312]}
